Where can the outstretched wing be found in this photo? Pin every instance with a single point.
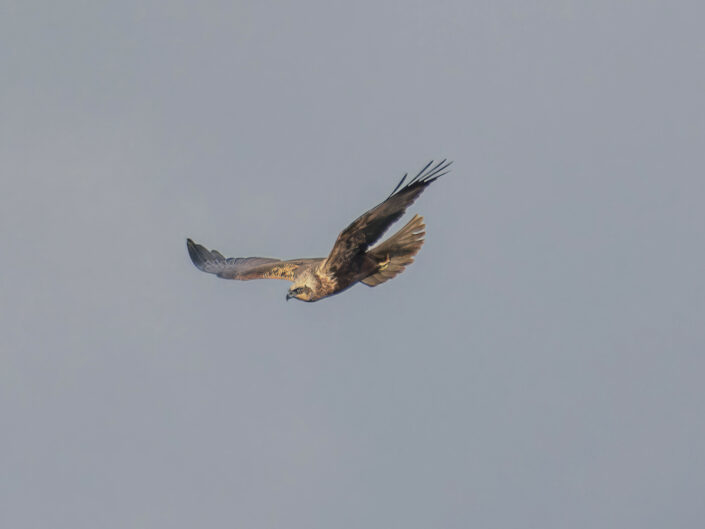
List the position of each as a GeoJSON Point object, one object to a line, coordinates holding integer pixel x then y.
{"type": "Point", "coordinates": [366, 229]}
{"type": "Point", "coordinates": [244, 268]}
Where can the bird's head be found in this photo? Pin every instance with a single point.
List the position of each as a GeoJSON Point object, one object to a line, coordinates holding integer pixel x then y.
{"type": "Point", "coordinates": [301, 292]}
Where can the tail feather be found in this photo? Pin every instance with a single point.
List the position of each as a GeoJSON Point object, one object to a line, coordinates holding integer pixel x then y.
{"type": "Point", "coordinates": [394, 254]}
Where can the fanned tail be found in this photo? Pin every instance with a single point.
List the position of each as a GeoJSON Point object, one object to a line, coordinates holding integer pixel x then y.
{"type": "Point", "coordinates": [394, 254]}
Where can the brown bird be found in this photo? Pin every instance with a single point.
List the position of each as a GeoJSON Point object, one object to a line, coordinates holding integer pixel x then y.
{"type": "Point", "coordinates": [351, 260]}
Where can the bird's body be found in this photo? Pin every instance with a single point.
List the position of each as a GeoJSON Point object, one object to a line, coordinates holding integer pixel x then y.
{"type": "Point", "coordinates": [350, 261]}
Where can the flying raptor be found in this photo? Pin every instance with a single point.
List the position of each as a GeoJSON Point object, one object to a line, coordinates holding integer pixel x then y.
{"type": "Point", "coordinates": [351, 260]}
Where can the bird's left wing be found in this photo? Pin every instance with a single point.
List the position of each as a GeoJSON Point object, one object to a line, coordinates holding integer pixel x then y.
{"type": "Point", "coordinates": [244, 268]}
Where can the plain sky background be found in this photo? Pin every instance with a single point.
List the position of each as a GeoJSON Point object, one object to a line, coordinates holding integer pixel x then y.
{"type": "Point", "coordinates": [541, 365]}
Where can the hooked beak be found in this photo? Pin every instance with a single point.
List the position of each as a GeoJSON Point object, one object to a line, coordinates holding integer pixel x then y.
{"type": "Point", "coordinates": [288, 296]}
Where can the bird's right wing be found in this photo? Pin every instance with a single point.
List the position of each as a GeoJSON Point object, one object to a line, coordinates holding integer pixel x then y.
{"type": "Point", "coordinates": [370, 226]}
{"type": "Point", "coordinates": [244, 268]}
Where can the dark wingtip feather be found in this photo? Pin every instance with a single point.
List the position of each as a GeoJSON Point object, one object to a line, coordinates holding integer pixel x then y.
{"type": "Point", "coordinates": [200, 255]}
{"type": "Point", "coordinates": [422, 171]}
{"type": "Point", "coordinates": [425, 176]}
{"type": "Point", "coordinates": [439, 170]}
{"type": "Point", "coordinates": [192, 251]}
{"type": "Point", "coordinates": [399, 184]}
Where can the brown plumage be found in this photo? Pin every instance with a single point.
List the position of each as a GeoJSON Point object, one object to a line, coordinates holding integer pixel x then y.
{"type": "Point", "coordinates": [351, 260]}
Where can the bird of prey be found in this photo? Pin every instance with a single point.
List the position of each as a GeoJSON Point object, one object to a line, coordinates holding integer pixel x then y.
{"type": "Point", "coordinates": [351, 260]}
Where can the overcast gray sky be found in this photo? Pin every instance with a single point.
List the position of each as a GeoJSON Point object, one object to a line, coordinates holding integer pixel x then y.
{"type": "Point", "coordinates": [540, 365]}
